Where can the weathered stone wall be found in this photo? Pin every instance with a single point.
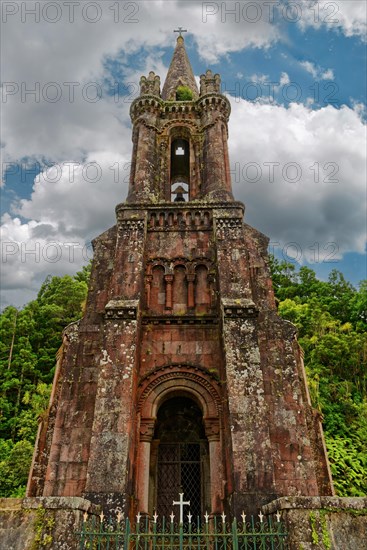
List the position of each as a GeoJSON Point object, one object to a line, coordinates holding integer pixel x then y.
{"type": "Point", "coordinates": [50, 523]}
{"type": "Point", "coordinates": [271, 443]}
{"type": "Point", "coordinates": [323, 523]}
{"type": "Point", "coordinates": [275, 448]}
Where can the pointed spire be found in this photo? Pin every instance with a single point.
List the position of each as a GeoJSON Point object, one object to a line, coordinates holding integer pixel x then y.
{"type": "Point", "coordinates": [179, 74]}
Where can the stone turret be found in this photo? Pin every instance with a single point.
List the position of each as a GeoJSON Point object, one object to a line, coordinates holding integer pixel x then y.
{"type": "Point", "coordinates": [209, 84]}
{"type": "Point", "coordinates": [180, 120]}
{"type": "Point", "coordinates": [150, 85]}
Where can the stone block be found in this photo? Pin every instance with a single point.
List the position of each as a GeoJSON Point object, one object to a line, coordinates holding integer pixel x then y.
{"type": "Point", "coordinates": [317, 523]}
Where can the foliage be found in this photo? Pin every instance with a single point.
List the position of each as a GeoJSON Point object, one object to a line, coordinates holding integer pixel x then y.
{"type": "Point", "coordinates": [183, 93]}
{"type": "Point", "coordinates": [331, 318]}
{"type": "Point", "coordinates": [29, 340]}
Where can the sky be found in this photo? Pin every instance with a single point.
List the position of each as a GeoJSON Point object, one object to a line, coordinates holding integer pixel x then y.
{"type": "Point", "coordinates": [294, 72]}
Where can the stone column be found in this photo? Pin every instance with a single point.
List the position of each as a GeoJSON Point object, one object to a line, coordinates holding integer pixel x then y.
{"type": "Point", "coordinates": [212, 432]}
{"type": "Point", "coordinates": [146, 436]}
{"type": "Point", "coordinates": [169, 282]}
{"type": "Point", "coordinates": [148, 284]}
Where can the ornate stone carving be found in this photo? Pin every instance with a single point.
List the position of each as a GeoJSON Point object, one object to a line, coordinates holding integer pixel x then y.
{"type": "Point", "coordinates": [147, 429]}
{"type": "Point", "coordinates": [239, 308]}
{"type": "Point", "coordinates": [122, 309]}
{"type": "Point", "coordinates": [212, 429]}
{"type": "Point", "coordinates": [183, 375]}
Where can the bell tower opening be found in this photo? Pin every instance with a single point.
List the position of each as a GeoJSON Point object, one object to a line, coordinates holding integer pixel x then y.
{"type": "Point", "coordinates": [180, 457]}
{"type": "Point", "coordinates": [180, 170]}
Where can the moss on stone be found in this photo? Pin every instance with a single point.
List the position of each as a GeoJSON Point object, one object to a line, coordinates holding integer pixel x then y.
{"type": "Point", "coordinates": [314, 533]}
{"type": "Point", "coordinates": [43, 526]}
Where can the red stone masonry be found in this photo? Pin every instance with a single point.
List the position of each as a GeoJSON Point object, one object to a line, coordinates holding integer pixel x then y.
{"type": "Point", "coordinates": [180, 304]}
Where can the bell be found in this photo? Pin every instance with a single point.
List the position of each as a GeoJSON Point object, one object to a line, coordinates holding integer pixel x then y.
{"type": "Point", "coordinates": [180, 191]}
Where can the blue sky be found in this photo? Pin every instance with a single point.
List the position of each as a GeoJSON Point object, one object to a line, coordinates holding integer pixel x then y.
{"type": "Point", "coordinates": [297, 85]}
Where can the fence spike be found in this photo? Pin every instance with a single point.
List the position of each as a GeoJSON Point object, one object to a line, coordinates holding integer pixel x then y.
{"type": "Point", "coordinates": [189, 516]}
{"type": "Point", "coordinates": [138, 517]}
{"type": "Point", "coordinates": [85, 516]}
{"type": "Point", "coordinates": [155, 517]}
{"type": "Point", "coordinates": [172, 516]}
{"type": "Point", "coordinates": [243, 516]}
{"type": "Point", "coordinates": [223, 517]}
{"type": "Point", "coordinates": [206, 517]}
{"type": "Point", "coordinates": [261, 516]}
{"type": "Point", "coordinates": [101, 516]}
{"type": "Point", "coordinates": [278, 516]}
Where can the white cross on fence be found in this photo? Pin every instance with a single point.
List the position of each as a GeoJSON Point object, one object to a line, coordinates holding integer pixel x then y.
{"type": "Point", "coordinates": [181, 504]}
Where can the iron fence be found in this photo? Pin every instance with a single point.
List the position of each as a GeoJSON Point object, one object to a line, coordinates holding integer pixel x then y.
{"type": "Point", "coordinates": [193, 534]}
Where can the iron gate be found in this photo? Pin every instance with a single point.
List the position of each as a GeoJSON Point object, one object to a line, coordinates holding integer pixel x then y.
{"type": "Point", "coordinates": [209, 534]}
{"type": "Point", "coordinates": [179, 471]}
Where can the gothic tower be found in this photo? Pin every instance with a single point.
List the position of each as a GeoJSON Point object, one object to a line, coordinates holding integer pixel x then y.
{"type": "Point", "coordinates": [180, 377]}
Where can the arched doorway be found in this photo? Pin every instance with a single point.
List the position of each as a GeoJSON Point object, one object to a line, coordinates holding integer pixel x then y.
{"type": "Point", "coordinates": [180, 457]}
{"type": "Point", "coordinates": [191, 396]}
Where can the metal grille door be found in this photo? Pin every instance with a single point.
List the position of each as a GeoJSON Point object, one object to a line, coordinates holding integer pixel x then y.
{"type": "Point", "coordinates": [179, 471]}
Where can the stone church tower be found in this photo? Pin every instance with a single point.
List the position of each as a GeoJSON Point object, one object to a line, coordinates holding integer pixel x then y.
{"type": "Point", "coordinates": [180, 377]}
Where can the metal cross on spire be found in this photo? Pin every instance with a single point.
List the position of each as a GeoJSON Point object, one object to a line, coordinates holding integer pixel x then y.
{"type": "Point", "coordinates": [181, 504]}
{"type": "Point", "coordinates": [180, 30]}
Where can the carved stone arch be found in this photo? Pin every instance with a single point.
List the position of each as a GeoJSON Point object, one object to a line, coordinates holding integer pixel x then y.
{"type": "Point", "coordinates": [191, 126]}
{"type": "Point", "coordinates": [180, 262]}
{"type": "Point", "coordinates": [179, 379]}
{"type": "Point", "coordinates": [202, 261]}
{"type": "Point", "coordinates": [158, 261]}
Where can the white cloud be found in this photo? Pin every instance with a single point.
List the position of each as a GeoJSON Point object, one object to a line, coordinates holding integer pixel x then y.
{"type": "Point", "coordinates": [349, 16]}
{"type": "Point", "coordinates": [284, 79]}
{"type": "Point", "coordinates": [317, 72]}
{"type": "Point", "coordinates": [327, 75]}
{"type": "Point", "coordinates": [259, 78]}
{"type": "Point", "coordinates": [82, 131]}
{"type": "Point", "coordinates": [68, 59]}
{"type": "Point", "coordinates": [70, 205]}
{"type": "Point", "coordinates": [318, 146]}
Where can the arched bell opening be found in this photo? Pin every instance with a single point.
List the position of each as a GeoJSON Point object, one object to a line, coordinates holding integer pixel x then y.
{"type": "Point", "coordinates": [180, 170]}
{"type": "Point", "coordinates": [179, 458]}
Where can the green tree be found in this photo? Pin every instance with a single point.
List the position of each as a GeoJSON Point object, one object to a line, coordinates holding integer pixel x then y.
{"type": "Point", "coordinates": [30, 339]}
{"type": "Point", "coordinates": [331, 318]}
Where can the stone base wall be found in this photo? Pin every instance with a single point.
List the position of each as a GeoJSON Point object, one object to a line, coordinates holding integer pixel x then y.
{"type": "Point", "coordinates": [312, 523]}
{"type": "Point", "coordinates": [322, 523]}
{"type": "Point", "coordinates": [50, 523]}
